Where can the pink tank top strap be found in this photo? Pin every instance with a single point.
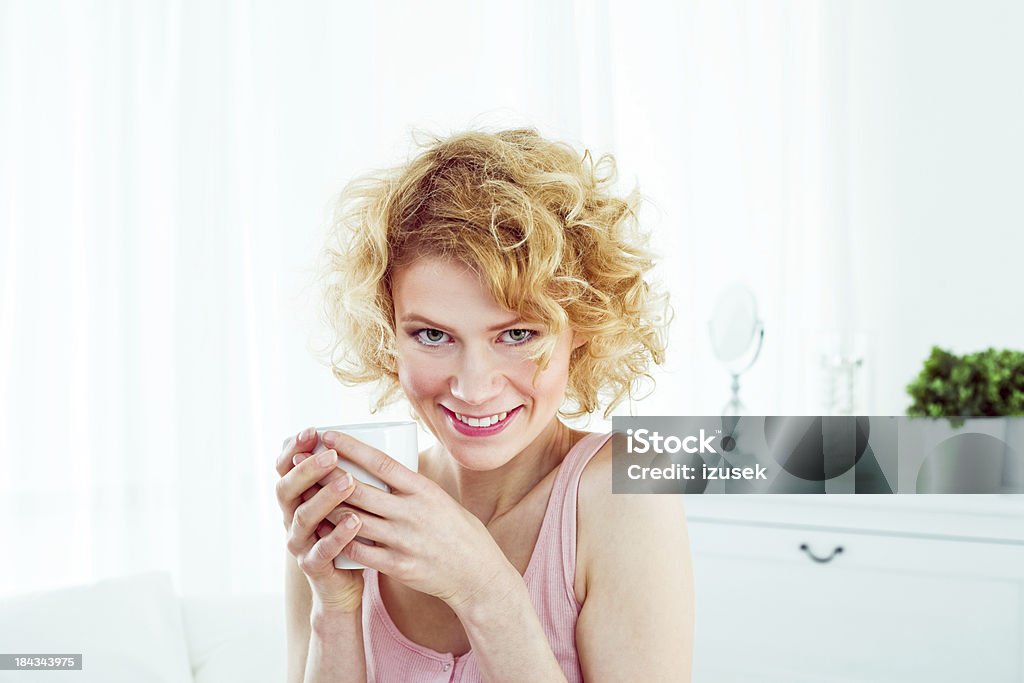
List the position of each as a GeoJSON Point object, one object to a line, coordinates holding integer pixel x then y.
{"type": "Point", "coordinates": [562, 508]}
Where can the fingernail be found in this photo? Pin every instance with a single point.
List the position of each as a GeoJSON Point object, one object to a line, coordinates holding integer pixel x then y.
{"type": "Point", "coordinates": [298, 457]}
{"type": "Point", "coordinates": [307, 434]}
{"type": "Point", "coordinates": [351, 521]}
{"type": "Point", "coordinates": [329, 438]}
{"type": "Point", "coordinates": [342, 483]}
{"type": "Point", "coordinates": [326, 458]}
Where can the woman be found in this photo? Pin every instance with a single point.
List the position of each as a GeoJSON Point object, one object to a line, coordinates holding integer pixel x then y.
{"type": "Point", "coordinates": [494, 278]}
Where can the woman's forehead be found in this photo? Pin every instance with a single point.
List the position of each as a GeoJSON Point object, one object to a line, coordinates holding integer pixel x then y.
{"type": "Point", "coordinates": [443, 293]}
{"type": "Point", "coordinates": [432, 279]}
{"type": "Point", "coordinates": [435, 287]}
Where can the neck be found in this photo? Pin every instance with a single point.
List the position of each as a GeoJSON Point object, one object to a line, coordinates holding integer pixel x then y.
{"type": "Point", "coordinates": [488, 495]}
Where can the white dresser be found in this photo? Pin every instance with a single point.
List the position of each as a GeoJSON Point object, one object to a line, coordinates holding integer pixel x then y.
{"type": "Point", "coordinates": [879, 589]}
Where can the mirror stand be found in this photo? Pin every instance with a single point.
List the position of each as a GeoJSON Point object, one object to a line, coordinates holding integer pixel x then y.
{"type": "Point", "coordinates": [735, 406]}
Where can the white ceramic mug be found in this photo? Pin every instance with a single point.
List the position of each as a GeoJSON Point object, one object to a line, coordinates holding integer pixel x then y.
{"type": "Point", "coordinates": [397, 439]}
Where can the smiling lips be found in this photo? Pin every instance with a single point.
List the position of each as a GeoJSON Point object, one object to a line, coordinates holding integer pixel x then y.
{"type": "Point", "coordinates": [481, 426]}
{"type": "Point", "coordinates": [482, 421]}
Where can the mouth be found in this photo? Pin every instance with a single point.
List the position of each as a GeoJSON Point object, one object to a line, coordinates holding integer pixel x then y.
{"type": "Point", "coordinates": [469, 430]}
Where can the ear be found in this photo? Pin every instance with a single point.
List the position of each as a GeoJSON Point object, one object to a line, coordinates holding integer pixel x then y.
{"type": "Point", "coordinates": [578, 340]}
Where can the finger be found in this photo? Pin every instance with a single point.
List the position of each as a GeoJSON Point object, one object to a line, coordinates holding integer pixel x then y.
{"type": "Point", "coordinates": [379, 557]}
{"type": "Point", "coordinates": [372, 527]}
{"type": "Point", "coordinates": [310, 492]}
{"type": "Point", "coordinates": [309, 471]}
{"type": "Point", "coordinates": [303, 441]}
{"type": "Point", "coordinates": [320, 558]}
{"type": "Point", "coordinates": [375, 500]}
{"type": "Point", "coordinates": [290, 487]}
{"type": "Point", "coordinates": [325, 528]}
{"type": "Point", "coordinates": [364, 496]}
{"type": "Point", "coordinates": [379, 464]}
{"type": "Point", "coordinates": [310, 514]}
{"type": "Point", "coordinates": [332, 474]}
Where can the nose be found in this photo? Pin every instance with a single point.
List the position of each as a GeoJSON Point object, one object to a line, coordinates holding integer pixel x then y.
{"type": "Point", "coordinates": [478, 379]}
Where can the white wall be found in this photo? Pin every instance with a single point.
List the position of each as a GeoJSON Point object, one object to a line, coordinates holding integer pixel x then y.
{"type": "Point", "coordinates": [167, 170]}
{"type": "Point", "coordinates": [936, 179]}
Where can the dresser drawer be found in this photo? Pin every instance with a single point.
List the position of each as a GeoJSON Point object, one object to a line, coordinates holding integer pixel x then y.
{"type": "Point", "coordinates": [869, 608]}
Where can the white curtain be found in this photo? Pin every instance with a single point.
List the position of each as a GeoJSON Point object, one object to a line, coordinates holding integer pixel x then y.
{"type": "Point", "coordinates": [167, 169]}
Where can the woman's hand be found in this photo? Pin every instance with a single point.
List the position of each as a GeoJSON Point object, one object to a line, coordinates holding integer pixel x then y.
{"type": "Point", "coordinates": [309, 489]}
{"type": "Point", "coordinates": [425, 539]}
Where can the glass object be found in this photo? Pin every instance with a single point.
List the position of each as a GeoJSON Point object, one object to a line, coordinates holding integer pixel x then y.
{"type": "Point", "coordinates": [737, 335]}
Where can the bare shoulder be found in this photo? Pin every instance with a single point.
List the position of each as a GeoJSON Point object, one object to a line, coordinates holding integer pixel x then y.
{"type": "Point", "coordinates": [592, 515]}
{"type": "Point", "coordinates": [613, 527]}
{"type": "Point", "coordinates": [633, 562]}
{"type": "Point", "coordinates": [595, 486]}
{"type": "Point", "coordinates": [597, 503]}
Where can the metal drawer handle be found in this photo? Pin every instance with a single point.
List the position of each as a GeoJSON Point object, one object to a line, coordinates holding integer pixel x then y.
{"type": "Point", "coordinates": [839, 549]}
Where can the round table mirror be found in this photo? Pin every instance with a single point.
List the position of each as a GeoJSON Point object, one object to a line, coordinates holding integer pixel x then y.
{"type": "Point", "coordinates": [737, 335]}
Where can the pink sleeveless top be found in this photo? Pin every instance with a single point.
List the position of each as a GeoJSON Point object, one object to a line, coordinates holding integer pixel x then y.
{"type": "Point", "coordinates": [549, 578]}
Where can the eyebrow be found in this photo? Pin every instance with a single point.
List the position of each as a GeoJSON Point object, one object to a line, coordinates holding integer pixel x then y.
{"type": "Point", "coordinates": [416, 318]}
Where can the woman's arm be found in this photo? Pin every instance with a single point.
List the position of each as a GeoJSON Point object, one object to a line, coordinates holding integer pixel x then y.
{"type": "Point", "coordinates": [637, 617]}
{"type": "Point", "coordinates": [322, 646]}
{"type": "Point", "coordinates": [308, 491]}
{"type": "Point", "coordinates": [336, 648]}
{"type": "Point", "coordinates": [505, 633]}
{"type": "Point", "coordinates": [298, 605]}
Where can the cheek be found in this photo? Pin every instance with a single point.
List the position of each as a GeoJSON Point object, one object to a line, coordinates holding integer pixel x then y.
{"type": "Point", "coordinates": [552, 382]}
{"type": "Point", "coordinates": [419, 378]}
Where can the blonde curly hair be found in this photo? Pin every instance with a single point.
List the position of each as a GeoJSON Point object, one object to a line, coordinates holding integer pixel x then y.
{"type": "Point", "coordinates": [532, 218]}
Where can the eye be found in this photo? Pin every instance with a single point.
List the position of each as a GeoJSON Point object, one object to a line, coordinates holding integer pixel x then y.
{"type": "Point", "coordinates": [522, 337]}
{"type": "Point", "coordinates": [429, 337]}
{"type": "Point", "coordinates": [432, 337]}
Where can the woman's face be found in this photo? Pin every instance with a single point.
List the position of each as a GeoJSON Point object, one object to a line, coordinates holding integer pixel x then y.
{"type": "Point", "coordinates": [460, 353]}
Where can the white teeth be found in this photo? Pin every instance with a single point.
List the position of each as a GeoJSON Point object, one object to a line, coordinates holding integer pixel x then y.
{"type": "Point", "coordinates": [483, 421]}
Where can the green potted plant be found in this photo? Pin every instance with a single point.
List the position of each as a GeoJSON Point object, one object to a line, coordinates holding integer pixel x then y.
{"type": "Point", "coordinates": [987, 383]}
{"type": "Point", "coordinates": [971, 456]}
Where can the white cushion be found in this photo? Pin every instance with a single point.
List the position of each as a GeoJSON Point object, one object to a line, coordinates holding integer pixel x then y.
{"type": "Point", "coordinates": [236, 637]}
{"type": "Point", "coordinates": [128, 630]}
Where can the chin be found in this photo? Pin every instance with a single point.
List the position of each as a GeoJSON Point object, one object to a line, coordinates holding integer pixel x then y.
{"type": "Point", "coordinates": [484, 457]}
{"type": "Point", "coordinates": [479, 459]}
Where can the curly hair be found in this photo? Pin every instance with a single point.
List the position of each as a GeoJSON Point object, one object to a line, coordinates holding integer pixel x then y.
{"type": "Point", "coordinates": [536, 221]}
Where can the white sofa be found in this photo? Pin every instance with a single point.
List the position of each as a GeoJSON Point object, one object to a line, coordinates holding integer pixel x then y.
{"type": "Point", "coordinates": [137, 630]}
